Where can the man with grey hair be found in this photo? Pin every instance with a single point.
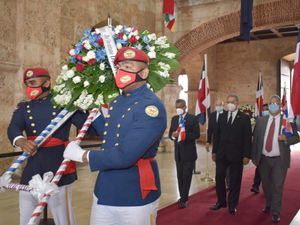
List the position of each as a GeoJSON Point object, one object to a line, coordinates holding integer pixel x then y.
{"type": "Point", "coordinates": [231, 149]}
{"type": "Point", "coordinates": [271, 153]}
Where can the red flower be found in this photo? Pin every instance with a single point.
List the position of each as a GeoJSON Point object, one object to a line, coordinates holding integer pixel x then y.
{"type": "Point", "coordinates": [100, 42]}
{"type": "Point", "coordinates": [79, 67]}
{"type": "Point", "coordinates": [91, 61]}
{"type": "Point", "coordinates": [78, 57]}
{"type": "Point", "coordinates": [132, 39]}
{"type": "Point", "coordinates": [120, 35]}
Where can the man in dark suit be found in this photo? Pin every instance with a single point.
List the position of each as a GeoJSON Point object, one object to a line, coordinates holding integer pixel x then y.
{"type": "Point", "coordinates": [231, 149]}
{"type": "Point", "coordinates": [271, 153]}
{"type": "Point", "coordinates": [184, 131]}
{"type": "Point", "coordinates": [212, 122]}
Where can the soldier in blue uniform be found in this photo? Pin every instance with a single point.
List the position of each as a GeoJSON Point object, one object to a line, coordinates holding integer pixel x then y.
{"type": "Point", "coordinates": [32, 117]}
{"type": "Point", "coordinates": [127, 189]}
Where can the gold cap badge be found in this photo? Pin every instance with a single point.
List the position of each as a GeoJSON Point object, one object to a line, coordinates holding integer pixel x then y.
{"type": "Point", "coordinates": [129, 54]}
{"type": "Point", "coordinates": [29, 73]}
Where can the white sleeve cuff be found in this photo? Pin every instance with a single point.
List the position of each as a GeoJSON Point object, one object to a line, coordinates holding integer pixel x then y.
{"type": "Point", "coordinates": [88, 156]}
{"type": "Point", "coordinates": [17, 138]}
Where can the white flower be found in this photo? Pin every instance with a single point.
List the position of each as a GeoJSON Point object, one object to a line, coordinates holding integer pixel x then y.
{"type": "Point", "coordinates": [59, 87]}
{"type": "Point", "coordinates": [119, 45]}
{"type": "Point", "coordinates": [91, 55]}
{"type": "Point", "coordinates": [152, 36]}
{"type": "Point", "coordinates": [85, 59]}
{"type": "Point", "coordinates": [152, 48]}
{"type": "Point", "coordinates": [102, 66]}
{"type": "Point", "coordinates": [170, 55]}
{"type": "Point", "coordinates": [125, 38]}
{"type": "Point", "coordinates": [102, 79]}
{"type": "Point", "coordinates": [86, 44]}
{"type": "Point", "coordinates": [118, 29]}
{"type": "Point", "coordinates": [84, 100]}
{"type": "Point", "coordinates": [100, 100]}
{"type": "Point", "coordinates": [86, 83]}
{"type": "Point", "coordinates": [113, 95]}
{"type": "Point", "coordinates": [70, 73]}
{"type": "Point", "coordinates": [164, 73]}
{"type": "Point", "coordinates": [137, 37]}
{"type": "Point", "coordinates": [64, 67]}
{"type": "Point", "coordinates": [167, 45]}
{"type": "Point", "coordinates": [72, 52]}
{"type": "Point", "coordinates": [97, 30]}
{"type": "Point", "coordinates": [63, 99]}
{"type": "Point", "coordinates": [161, 40]}
{"type": "Point", "coordinates": [164, 66]}
{"type": "Point", "coordinates": [76, 79]}
{"type": "Point", "coordinates": [128, 29]}
{"type": "Point", "coordinates": [152, 55]}
{"type": "Point", "coordinates": [135, 33]}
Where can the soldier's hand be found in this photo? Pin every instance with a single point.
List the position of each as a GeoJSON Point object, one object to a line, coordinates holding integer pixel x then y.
{"type": "Point", "coordinates": [27, 145]}
{"type": "Point", "coordinates": [207, 146]}
{"type": "Point", "coordinates": [245, 161]}
{"type": "Point", "coordinates": [213, 157]}
{"type": "Point", "coordinates": [175, 134]}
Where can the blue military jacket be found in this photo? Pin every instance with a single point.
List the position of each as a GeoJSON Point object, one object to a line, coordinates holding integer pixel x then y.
{"type": "Point", "coordinates": [32, 117]}
{"type": "Point", "coordinates": [132, 130]}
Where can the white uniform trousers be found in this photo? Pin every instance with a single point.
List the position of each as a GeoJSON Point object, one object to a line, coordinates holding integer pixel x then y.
{"type": "Point", "coordinates": [59, 205]}
{"type": "Point", "coordinates": [124, 215]}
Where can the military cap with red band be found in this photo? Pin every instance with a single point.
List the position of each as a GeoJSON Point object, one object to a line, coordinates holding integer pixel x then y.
{"type": "Point", "coordinates": [35, 72]}
{"type": "Point", "coordinates": [133, 54]}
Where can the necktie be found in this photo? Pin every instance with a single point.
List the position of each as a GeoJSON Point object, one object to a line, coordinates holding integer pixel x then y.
{"type": "Point", "coordinates": [269, 142]}
{"type": "Point", "coordinates": [230, 119]}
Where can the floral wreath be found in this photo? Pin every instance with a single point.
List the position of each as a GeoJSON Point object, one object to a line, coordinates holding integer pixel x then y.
{"type": "Point", "coordinates": [86, 80]}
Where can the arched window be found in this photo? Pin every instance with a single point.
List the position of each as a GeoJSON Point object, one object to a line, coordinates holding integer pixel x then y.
{"type": "Point", "coordinates": [183, 83]}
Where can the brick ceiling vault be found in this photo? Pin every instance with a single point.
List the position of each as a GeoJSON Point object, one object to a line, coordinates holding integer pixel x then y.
{"type": "Point", "coordinates": [271, 14]}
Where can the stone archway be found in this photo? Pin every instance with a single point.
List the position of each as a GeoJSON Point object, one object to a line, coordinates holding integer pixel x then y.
{"type": "Point", "coordinates": [282, 12]}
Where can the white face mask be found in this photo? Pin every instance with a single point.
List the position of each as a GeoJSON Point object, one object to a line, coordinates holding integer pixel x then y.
{"type": "Point", "coordinates": [179, 111]}
{"type": "Point", "coordinates": [231, 107]}
{"type": "Point", "coordinates": [219, 108]}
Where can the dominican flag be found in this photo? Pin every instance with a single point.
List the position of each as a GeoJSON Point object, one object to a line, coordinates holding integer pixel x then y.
{"type": "Point", "coordinates": [287, 117]}
{"type": "Point", "coordinates": [181, 130]}
{"type": "Point", "coordinates": [259, 96]}
{"type": "Point", "coordinates": [295, 95]}
{"type": "Point", "coordinates": [169, 13]}
{"type": "Point", "coordinates": [203, 95]}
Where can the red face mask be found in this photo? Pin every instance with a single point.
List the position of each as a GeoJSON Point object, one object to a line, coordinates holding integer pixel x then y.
{"type": "Point", "coordinates": [124, 78]}
{"type": "Point", "coordinates": [33, 92]}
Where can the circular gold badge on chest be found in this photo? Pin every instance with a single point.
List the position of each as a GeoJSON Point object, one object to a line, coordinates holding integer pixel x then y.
{"type": "Point", "coordinates": [152, 111]}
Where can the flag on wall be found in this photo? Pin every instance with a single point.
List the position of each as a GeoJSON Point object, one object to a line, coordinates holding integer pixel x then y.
{"type": "Point", "coordinates": [181, 129]}
{"type": "Point", "coordinates": [295, 95]}
{"type": "Point", "coordinates": [287, 117]}
{"type": "Point", "coordinates": [203, 95]}
{"type": "Point", "coordinates": [246, 19]}
{"type": "Point", "coordinates": [259, 96]}
{"type": "Point", "coordinates": [169, 11]}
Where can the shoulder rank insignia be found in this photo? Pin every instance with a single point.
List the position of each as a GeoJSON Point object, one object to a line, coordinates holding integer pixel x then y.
{"type": "Point", "coordinates": [152, 111]}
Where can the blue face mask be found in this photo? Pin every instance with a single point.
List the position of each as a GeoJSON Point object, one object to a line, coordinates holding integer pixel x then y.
{"type": "Point", "coordinates": [273, 108]}
{"type": "Point", "coordinates": [265, 113]}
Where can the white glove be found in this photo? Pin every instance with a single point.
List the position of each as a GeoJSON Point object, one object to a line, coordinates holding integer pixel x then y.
{"type": "Point", "coordinates": [41, 187]}
{"type": "Point", "coordinates": [74, 152]}
{"type": "Point", "coordinates": [5, 179]}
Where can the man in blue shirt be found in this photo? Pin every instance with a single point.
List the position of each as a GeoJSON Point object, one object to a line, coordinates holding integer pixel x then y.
{"type": "Point", "coordinates": [127, 189]}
